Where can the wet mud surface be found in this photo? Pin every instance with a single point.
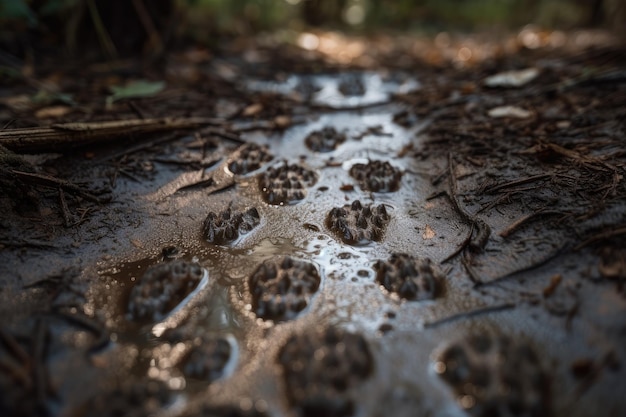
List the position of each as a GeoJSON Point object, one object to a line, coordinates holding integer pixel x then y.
{"type": "Point", "coordinates": [399, 252]}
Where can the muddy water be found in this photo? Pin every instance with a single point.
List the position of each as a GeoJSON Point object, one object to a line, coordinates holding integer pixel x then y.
{"type": "Point", "coordinates": [405, 338]}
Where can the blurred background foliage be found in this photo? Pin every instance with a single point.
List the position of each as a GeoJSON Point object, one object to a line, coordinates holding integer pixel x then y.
{"type": "Point", "coordinates": [129, 24]}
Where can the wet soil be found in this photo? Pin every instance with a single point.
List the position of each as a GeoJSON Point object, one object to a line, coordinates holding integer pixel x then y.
{"type": "Point", "coordinates": [480, 273]}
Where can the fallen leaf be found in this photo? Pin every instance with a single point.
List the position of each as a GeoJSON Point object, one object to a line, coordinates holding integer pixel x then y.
{"type": "Point", "coordinates": [282, 122]}
{"type": "Point", "coordinates": [52, 112]}
{"type": "Point", "coordinates": [135, 89]}
{"type": "Point", "coordinates": [50, 97]}
{"type": "Point", "coordinates": [509, 111]}
{"type": "Point", "coordinates": [252, 110]}
{"type": "Point", "coordinates": [20, 102]}
{"type": "Point", "coordinates": [512, 78]}
{"type": "Point", "coordinates": [137, 243]}
{"type": "Point", "coordinates": [429, 233]}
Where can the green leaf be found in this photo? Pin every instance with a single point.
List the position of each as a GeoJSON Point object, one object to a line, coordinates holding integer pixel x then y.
{"type": "Point", "coordinates": [17, 10]}
{"type": "Point", "coordinates": [135, 89]}
{"type": "Point", "coordinates": [44, 97]}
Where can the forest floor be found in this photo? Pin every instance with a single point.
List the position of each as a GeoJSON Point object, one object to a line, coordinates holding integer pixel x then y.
{"type": "Point", "coordinates": [392, 226]}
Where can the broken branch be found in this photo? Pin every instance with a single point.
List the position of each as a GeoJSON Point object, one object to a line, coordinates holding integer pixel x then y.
{"type": "Point", "coordinates": [72, 135]}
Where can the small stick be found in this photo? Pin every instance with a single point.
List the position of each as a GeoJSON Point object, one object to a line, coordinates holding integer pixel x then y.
{"type": "Point", "coordinates": [9, 341]}
{"type": "Point", "coordinates": [89, 324]}
{"type": "Point", "coordinates": [525, 219]}
{"type": "Point", "coordinates": [148, 25]}
{"type": "Point", "coordinates": [72, 135]}
{"type": "Point", "coordinates": [521, 270]}
{"type": "Point", "coordinates": [52, 182]}
{"type": "Point", "coordinates": [621, 230]}
{"type": "Point", "coordinates": [521, 181]}
{"type": "Point", "coordinates": [39, 359]}
{"type": "Point", "coordinates": [64, 209]}
{"type": "Point", "coordinates": [470, 270]}
{"type": "Point", "coordinates": [461, 247]}
{"type": "Point", "coordinates": [469, 314]}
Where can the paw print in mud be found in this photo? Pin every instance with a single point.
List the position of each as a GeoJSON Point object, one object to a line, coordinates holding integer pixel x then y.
{"type": "Point", "coordinates": [321, 368]}
{"type": "Point", "coordinates": [229, 225]}
{"type": "Point", "coordinates": [281, 288]}
{"type": "Point", "coordinates": [206, 357]}
{"type": "Point", "coordinates": [286, 184]}
{"type": "Point", "coordinates": [162, 288]}
{"type": "Point", "coordinates": [356, 224]}
{"type": "Point", "coordinates": [351, 85]}
{"type": "Point", "coordinates": [131, 398]}
{"type": "Point", "coordinates": [248, 158]}
{"type": "Point", "coordinates": [495, 376]}
{"type": "Point", "coordinates": [410, 277]}
{"type": "Point", "coordinates": [377, 176]}
{"type": "Point", "coordinates": [325, 140]}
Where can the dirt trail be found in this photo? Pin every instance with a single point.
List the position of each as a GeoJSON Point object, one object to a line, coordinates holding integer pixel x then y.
{"type": "Point", "coordinates": [333, 241]}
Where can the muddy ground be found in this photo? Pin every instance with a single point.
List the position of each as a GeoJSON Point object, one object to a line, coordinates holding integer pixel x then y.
{"type": "Point", "coordinates": [391, 236]}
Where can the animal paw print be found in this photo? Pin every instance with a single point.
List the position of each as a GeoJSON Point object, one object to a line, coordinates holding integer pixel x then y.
{"type": "Point", "coordinates": [356, 224]}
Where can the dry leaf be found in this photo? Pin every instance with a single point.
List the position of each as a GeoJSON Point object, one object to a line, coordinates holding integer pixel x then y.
{"type": "Point", "coordinates": [252, 110]}
{"type": "Point", "coordinates": [52, 112]}
{"type": "Point", "coordinates": [509, 111]}
{"type": "Point", "coordinates": [512, 78]}
{"type": "Point", "coordinates": [429, 233]}
{"type": "Point", "coordinates": [282, 122]}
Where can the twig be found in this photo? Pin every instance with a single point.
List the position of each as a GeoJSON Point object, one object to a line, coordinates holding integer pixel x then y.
{"type": "Point", "coordinates": [521, 270]}
{"type": "Point", "coordinates": [52, 182]}
{"type": "Point", "coordinates": [525, 219]}
{"type": "Point", "coordinates": [223, 134]}
{"type": "Point", "coordinates": [470, 269]}
{"type": "Point", "coordinates": [533, 178]}
{"type": "Point", "coordinates": [39, 364]}
{"type": "Point", "coordinates": [154, 37]}
{"type": "Point", "coordinates": [103, 35]}
{"type": "Point", "coordinates": [461, 247]}
{"type": "Point", "coordinates": [20, 369]}
{"type": "Point", "coordinates": [482, 230]}
{"type": "Point", "coordinates": [89, 324]}
{"type": "Point", "coordinates": [72, 135]}
{"type": "Point", "coordinates": [31, 243]}
{"type": "Point", "coordinates": [620, 230]}
{"type": "Point", "coordinates": [469, 314]}
{"type": "Point", "coordinates": [64, 209]}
